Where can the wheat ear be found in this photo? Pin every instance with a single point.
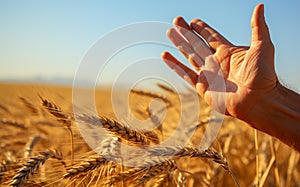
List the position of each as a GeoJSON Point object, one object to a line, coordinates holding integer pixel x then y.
{"type": "Point", "coordinates": [29, 106]}
{"type": "Point", "coordinates": [13, 123]}
{"type": "Point", "coordinates": [108, 150]}
{"type": "Point", "coordinates": [88, 164]}
{"type": "Point", "coordinates": [6, 165]}
{"type": "Point", "coordinates": [132, 136]}
{"type": "Point", "coordinates": [166, 88]}
{"type": "Point", "coordinates": [30, 146]}
{"type": "Point", "coordinates": [61, 117]}
{"type": "Point", "coordinates": [185, 151]}
{"type": "Point", "coordinates": [152, 95]}
{"type": "Point", "coordinates": [111, 149]}
{"type": "Point", "coordinates": [157, 169]}
{"type": "Point", "coordinates": [149, 170]}
{"type": "Point", "coordinates": [32, 164]}
{"type": "Point", "coordinates": [56, 111]}
{"type": "Point", "coordinates": [4, 108]}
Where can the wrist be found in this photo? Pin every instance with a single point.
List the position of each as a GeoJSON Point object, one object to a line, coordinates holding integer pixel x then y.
{"type": "Point", "coordinates": [264, 108]}
{"type": "Point", "coordinates": [254, 103]}
{"type": "Point", "coordinates": [277, 113]}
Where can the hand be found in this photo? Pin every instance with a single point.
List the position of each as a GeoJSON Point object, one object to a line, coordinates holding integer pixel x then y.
{"type": "Point", "coordinates": [247, 73]}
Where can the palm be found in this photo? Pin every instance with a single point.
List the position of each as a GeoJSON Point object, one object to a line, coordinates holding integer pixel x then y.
{"type": "Point", "coordinates": [251, 70]}
{"type": "Point", "coordinates": [243, 71]}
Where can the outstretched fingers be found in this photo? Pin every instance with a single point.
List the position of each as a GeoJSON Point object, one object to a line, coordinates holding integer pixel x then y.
{"type": "Point", "coordinates": [198, 45]}
{"type": "Point", "coordinates": [185, 48]}
{"type": "Point", "coordinates": [190, 76]}
{"type": "Point", "coordinates": [211, 36]}
{"type": "Point", "coordinates": [183, 71]}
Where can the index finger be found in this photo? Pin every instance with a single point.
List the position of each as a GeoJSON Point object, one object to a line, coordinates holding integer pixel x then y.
{"type": "Point", "coordinates": [183, 71]}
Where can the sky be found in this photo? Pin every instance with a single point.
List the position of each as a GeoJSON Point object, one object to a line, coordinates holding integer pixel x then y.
{"type": "Point", "coordinates": [50, 39]}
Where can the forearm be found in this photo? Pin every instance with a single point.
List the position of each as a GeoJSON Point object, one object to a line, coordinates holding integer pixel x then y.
{"type": "Point", "coordinates": [278, 115]}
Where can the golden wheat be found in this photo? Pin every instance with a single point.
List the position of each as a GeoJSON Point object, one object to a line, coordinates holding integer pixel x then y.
{"type": "Point", "coordinates": [62, 117]}
{"type": "Point", "coordinates": [55, 110]}
{"type": "Point", "coordinates": [161, 180]}
{"type": "Point", "coordinates": [87, 165]}
{"type": "Point", "coordinates": [13, 123]}
{"type": "Point", "coordinates": [166, 88]}
{"type": "Point", "coordinates": [108, 151]}
{"type": "Point", "coordinates": [30, 146]}
{"type": "Point", "coordinates": [163, 166]}
{"type": "Point", "coordinates": [150, 169]}
{"type": "Point", "coordinates": [152, 95]}
{"type": "Point", "coordinates": [29, 106]}
{"type": "Point", "coordinates": [33, 164]}
{"type": "Point", "coordinates": [132, 136]}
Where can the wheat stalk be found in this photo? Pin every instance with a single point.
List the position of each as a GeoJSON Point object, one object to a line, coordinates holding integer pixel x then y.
{"type": "Point", "coordinates": [273, 152]}
{"type": "Point", "coordinates": [291, 166]}
{"type": "Point", "coordinates": [32, 164]}
{"type": "Point", "coordinates": [258, 170]}
{"type": "Point", "coordinates": [161, 180]}
{"type": "Point", "coordinates": [181, 180]}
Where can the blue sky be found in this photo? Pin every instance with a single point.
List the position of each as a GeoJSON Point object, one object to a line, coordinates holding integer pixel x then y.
{"type": "Point", "coordinates": [50, 38]}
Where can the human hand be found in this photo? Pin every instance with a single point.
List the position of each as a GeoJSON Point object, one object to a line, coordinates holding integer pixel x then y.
{"type": "Point", "coordinates": [247, 73]}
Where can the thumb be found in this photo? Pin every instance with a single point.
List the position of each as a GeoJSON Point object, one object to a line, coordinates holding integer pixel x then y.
{"type": "Point", "coordinates": [260, 31]}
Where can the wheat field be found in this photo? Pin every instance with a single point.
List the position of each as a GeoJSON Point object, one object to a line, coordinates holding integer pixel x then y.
{"type": "Point", "coordinates": [41, 144]}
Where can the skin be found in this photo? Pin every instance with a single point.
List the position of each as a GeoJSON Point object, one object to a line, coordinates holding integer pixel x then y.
{"type": "Point", "coordinates": [239, 81]}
